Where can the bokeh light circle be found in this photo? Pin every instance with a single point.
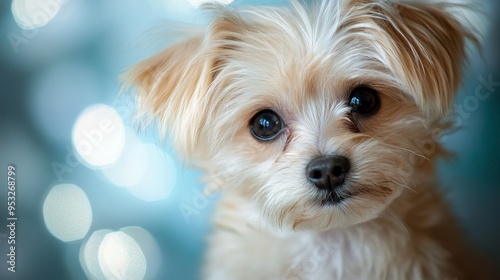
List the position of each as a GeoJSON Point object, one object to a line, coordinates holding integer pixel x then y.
{"type": "Point", "coordinates": [144, 169]}
{"type": "Point", "coordinates": [130, 253]}
{"type": "Point", "coordinates": [132, 164]}
{"type": "Point", "coordinates": [149, 248]}
{"type": "Point", "coordinates": [120, 257]}
{"type": "Point", "coordinates": [197, 3]}
{"type": "Point", "coordinates": [67, 212]}
{"type": "Point", "coordinates": [98, 135]}
{"type": "Point", "coordinates": [159, 178]}
{"type": "Point", "coordinates": [31, 14]}
{"type": "Point", "coordinates": [89, 252]}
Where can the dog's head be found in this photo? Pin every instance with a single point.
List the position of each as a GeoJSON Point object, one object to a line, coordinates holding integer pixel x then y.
{"type": "Point", "coordinates": [315, 112]}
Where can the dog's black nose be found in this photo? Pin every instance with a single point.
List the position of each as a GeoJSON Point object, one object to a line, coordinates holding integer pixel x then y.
{"type": "Point", "coordinates": [327, 172]}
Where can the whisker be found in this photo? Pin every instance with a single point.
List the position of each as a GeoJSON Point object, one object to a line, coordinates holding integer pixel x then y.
{"type": "Point", "coordinates": [398, 220]}
{"type": "Point", "coordinates": [406, 187]}
{"type": "Point", "coordinates": [407, 150]}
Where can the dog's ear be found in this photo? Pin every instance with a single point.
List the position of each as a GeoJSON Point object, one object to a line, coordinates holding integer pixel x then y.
{"type": "Point", "coordinates": [173, 88]}
{"type": "Point", "coordinates": [167, 86]}
{"type": "Point", "coordinates": [426, 47]}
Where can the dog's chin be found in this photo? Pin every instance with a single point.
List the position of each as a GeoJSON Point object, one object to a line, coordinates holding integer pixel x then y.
{"type": "Point", "coordinates": [326, 210]}
{"type": "Point", "coordinates": [337, 212]}
{"type": "Point", "coordinates": [333, 197]}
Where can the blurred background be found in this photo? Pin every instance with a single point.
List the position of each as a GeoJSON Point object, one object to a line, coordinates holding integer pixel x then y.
{"type": "Point", "coordinates": [96, 199]}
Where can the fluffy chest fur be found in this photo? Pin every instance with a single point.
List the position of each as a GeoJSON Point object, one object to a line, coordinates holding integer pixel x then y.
{"type": "Point", "coordinates": [418, 244]}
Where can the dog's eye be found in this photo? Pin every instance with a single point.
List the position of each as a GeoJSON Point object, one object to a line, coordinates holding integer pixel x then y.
{"type": "Point", "coordinates": [364, 100]}
{"type": "Point", "coordinates": [266, 125]}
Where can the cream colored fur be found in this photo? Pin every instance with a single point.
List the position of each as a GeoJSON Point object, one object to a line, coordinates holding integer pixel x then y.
{"type": "Point", "coordinates": [302, 62]}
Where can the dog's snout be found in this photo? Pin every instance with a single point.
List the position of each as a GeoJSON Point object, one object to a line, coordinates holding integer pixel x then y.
{"type": "Point", "coordinates": [327, 172]}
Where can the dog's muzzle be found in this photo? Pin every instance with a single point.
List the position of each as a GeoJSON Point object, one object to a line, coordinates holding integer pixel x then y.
{"type": "Point", "coordinates": [328, 172]}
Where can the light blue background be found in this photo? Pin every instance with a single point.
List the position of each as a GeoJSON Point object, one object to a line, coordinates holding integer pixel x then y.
{"type": "Point", "coordinates": [84, 49]}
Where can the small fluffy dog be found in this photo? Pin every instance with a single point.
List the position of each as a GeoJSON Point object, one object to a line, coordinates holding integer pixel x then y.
{"type": "Point", "coordinates": [319, 121]}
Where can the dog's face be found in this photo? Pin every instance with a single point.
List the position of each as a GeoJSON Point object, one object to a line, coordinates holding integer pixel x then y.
{"type": "Point", "coordinates": [314, 113]}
